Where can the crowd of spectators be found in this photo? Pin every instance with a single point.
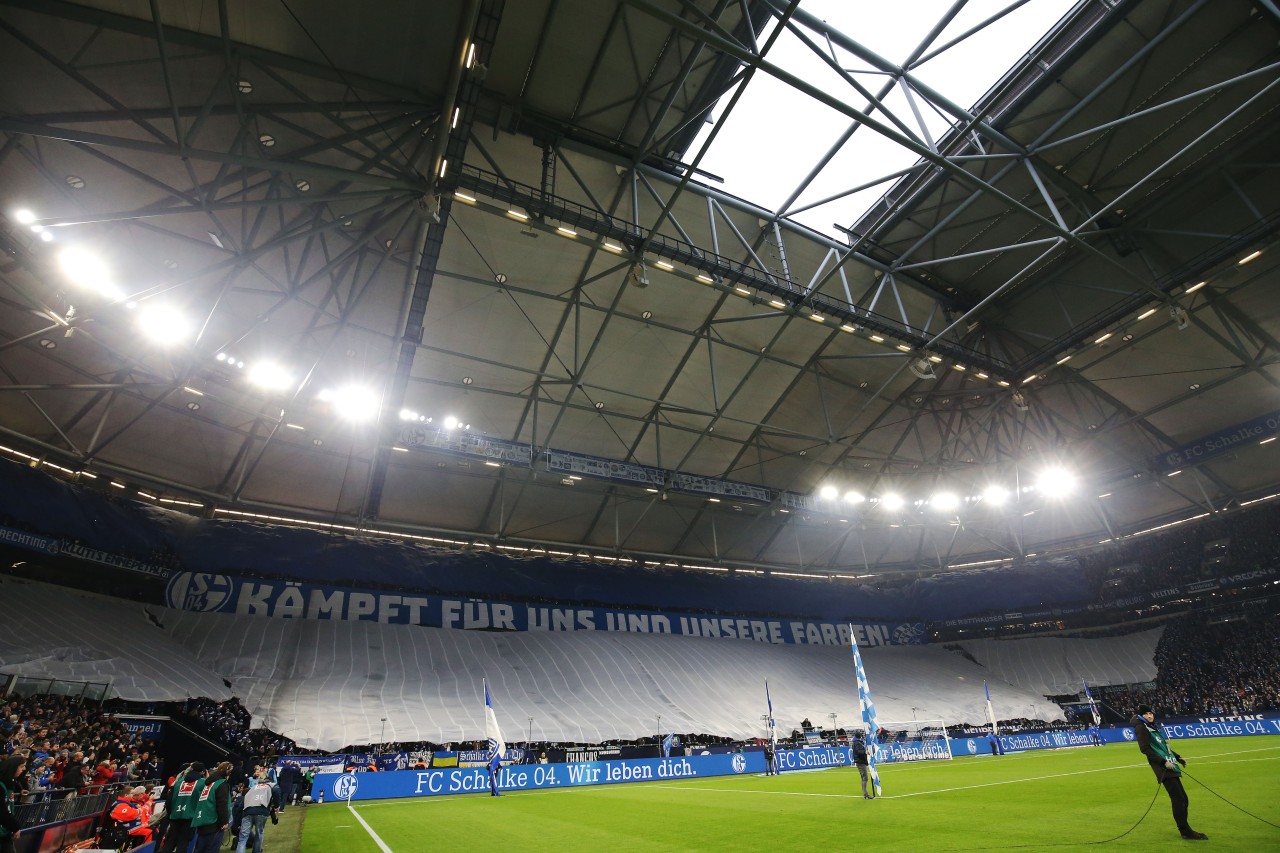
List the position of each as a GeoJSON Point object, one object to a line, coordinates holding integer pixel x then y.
{"type": "Point", "coordinates": [72, 748]}
{"type": "Point", "coordinates": [230, 724]}
{"type": "Point", "coordinates": [1230, 544]}
{"type": "Point", "coordinates": [1213, 670]}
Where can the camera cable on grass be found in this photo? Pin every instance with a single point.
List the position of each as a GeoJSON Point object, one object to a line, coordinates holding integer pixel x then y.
{"type": "Point", "coordinates": [1041, 844]}
{"type": "Point", "coordinates": [1228, 802]}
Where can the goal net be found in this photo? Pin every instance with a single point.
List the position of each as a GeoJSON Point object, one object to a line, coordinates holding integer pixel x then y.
{"type": "Point", "coordinates": [914, 740]}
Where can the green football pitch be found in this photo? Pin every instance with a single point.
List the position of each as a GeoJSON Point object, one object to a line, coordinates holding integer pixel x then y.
{"type": "Point", "coordinates": [1072, 799]}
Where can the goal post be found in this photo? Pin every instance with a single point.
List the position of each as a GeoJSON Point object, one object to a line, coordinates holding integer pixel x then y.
{"type": "Point", "coordinates": [914, 740]}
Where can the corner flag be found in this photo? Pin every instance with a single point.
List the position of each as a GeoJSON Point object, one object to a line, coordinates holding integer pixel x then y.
{"type": "Point", "coordinates": [868, 709]}
{"type": "Point", "coordinates": [497, 746]}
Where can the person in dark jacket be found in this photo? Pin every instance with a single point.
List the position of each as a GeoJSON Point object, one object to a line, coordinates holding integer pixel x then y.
{"type": "Point", "coordinates": [1167, 765]}
{"type": "Point", "coordinates": [73, 776]}
{"type": "Point", "coordinates": [11, 770]}
{"type": "Point", "coordinates": [862, 762]}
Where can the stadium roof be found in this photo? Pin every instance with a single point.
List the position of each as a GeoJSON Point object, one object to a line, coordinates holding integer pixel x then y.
{"type": "Point", "coordinates": [492, 212]}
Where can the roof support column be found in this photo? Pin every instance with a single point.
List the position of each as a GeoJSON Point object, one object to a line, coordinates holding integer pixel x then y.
{"type": "Point", "coordinates": [477, 30]}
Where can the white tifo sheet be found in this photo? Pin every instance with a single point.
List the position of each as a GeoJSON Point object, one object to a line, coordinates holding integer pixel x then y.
{"type": "Point", "coordinates": [1052, 666]}
{"type": "Point", "coordinates": [330, 684]}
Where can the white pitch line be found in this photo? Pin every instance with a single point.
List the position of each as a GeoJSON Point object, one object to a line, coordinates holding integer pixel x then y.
{"type": "Point", "coordinates": [382, 845]}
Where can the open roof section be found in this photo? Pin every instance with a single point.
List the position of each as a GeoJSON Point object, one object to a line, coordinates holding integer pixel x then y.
{"type": "Point", "coordinates": [816, 165]}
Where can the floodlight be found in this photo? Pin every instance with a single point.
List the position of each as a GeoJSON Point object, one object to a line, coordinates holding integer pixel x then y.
{"type": "Point", "coordinates": [23, 217]}
{"type": "Point", "coordinates": [164, 324]}
{"type": "Point", "coordinates": [353, 403]}
{"type": "Point", "coordinates": [87, 270]}
{"type": "Point", "coordinates": [995, 495]}
{"type": "Point", "coordinates": [944, 501]}
{"type": "Point", "coordinates": [269, 375]}
{"type": "Point", "coordinates": [451, 422]}
{"type": "Point", "coordinates": [1056, 482]}
{"type": "Point", "coordinates": [892, 502]}
{"type": "Point", "coordinates": [828, 493]}
{"type": "Point", "coordinates": [852, 497]}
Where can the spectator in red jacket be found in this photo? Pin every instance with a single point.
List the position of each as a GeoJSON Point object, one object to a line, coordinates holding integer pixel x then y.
{"type": "Point", "coordinates": [101, 776]}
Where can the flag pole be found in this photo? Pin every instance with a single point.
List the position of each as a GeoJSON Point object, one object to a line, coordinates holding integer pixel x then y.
{"type": "Point", "coordinates": [991, 714]}
{"type": "Point", "coordinates": [868, 708]}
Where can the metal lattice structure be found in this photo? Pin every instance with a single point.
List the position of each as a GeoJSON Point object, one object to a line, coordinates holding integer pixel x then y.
{"type": "Point", "coordinates": [494, 211]}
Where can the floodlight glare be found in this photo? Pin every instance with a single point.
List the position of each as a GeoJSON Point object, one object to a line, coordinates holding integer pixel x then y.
{"type": "Point", "coordinates": [354, 403]}
{"type": "Point", "coordinates": [892, 502]}
{"type": "Point", "coordinates": [852, 497]}
{"type": "Point", "coordinates": [87, 270]}
{"type": "Point", "coordinates": [1056, 482]}
{"type": "Point", "coordinates": [269, 375]}
{"type": "Point", "coordinates": [828, 493]}
{"type": "Point", "coordinates": [451, 422]}
{"type": "Point", "coordinates": [164, 324]}
{"type": "Point", "coordinates": [24, 216]}
{"type": "Point", "coordinates": [944, 501]}
{"type": "Point", "coordinates": [995, 495]}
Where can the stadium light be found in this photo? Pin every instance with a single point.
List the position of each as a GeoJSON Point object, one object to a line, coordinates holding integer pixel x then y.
{"type": "Point", "coordinates": [85, 269]}
{"type": "Point", "coordinates": [828, 493]}
{"type": "Point", "coordinates": [944, 501]}
{"type": "Point", "coordinates": [852, 497]}
{"type": "Point", "coordinates": [892, 502]}
{"type": "Point", "coordinates": [1056, 482]}
{"type": "Point", "coordinates": [24, 216]}
{"type": "Point", "coordinates": [995, 495]}
{"type": "Point", "coordinates": [352, 402]}
{"type": "Point", "coordinates": [269, 375]}
{"type": "Point", "coordinates": [164, 324]}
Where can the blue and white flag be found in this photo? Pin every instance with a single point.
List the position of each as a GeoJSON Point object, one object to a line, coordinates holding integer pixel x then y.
{"type": "Point", "coordinates": [868, 708]}
{"type": "Point", "coordinates": [497, 746]}
{"type": "Point", "coordinates": [668, 742]}
{"type": "Point", "coordinates": [1093, 706]}
{"type": "Point", "coordinates": [991, 714]}
{"type": "Point", "coordinates": [773, 726]}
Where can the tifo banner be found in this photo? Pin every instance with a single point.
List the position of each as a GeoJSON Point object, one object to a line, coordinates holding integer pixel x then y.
{"type": "Point", "coordinates": [217, 593]}
{"type": "Point", "coordinates": [67, 548]}
{"type": "Point", "coordinates": [524, 777]}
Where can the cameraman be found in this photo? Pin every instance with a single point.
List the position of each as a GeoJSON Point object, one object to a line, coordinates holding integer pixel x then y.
{"type": "Point", "coordinates": [1165, 764]}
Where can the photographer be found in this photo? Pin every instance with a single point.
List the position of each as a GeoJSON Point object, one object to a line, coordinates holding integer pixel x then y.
{"type": "Point", "coordinates": [1165, 764]}
{"type": "Point", "coordinates": [260, 802]}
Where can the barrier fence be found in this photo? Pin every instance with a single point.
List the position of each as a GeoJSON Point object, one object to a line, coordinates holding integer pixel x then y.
{"type": "Point", "coordinates": [437, 781]}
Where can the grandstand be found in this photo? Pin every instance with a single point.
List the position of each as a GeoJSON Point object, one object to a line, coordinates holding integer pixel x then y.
{"type": "Point", "coordinates": [624, 358]}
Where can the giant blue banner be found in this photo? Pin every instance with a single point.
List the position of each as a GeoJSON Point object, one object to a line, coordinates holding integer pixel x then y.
{"type": "Point", "coordinates": [1215, 443]}
{"type": "Point", "coordinates": [218, 593]}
